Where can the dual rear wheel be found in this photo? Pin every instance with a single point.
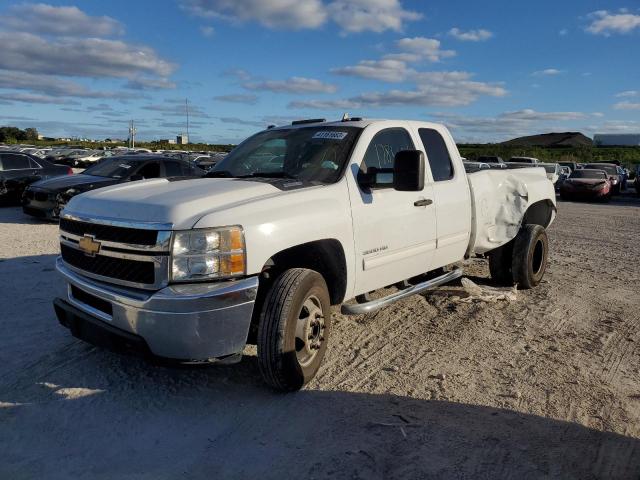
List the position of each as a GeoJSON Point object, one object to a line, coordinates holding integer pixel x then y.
{"type": "Point", "coordinates": [522, 261]}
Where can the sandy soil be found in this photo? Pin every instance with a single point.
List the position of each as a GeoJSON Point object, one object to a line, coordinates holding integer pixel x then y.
{"type": "Point", "coordinates": [547, 386]}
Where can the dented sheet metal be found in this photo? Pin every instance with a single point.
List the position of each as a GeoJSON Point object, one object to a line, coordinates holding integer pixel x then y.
{"type": "Point", "coordinates": [500, 200]}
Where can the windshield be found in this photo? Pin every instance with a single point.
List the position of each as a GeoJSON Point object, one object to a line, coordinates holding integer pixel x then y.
{"type": "Point", "coordinates": [113, 168]}
{"type": "Point", "coordinates": [313, 154]}
{"type": "Point", "coordinates": [610, 169]}
{"type": "Point", "coordinates": [589, 174]}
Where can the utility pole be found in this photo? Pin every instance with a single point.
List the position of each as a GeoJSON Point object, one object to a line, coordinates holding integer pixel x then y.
{"type": "Point", "coordinates": [132, 134]}
{"type": "Point", "coordinates": [186, 106]}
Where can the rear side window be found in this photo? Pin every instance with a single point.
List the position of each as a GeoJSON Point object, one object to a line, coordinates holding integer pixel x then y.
{"type": "Point", "coordinates": [12, 161]}
{"type": "Point", "coordinates": [437, 153]}
{"type": "Point", "coordinates": [384, 146]}
{"type": "Point", "coordinates": [173, 169]}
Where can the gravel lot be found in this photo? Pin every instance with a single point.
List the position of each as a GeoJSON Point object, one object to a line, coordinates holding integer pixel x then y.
{"type": "Point", "coordinates": [547, 385]}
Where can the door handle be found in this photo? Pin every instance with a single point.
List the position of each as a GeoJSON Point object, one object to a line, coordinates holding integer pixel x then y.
{"type": "Point", "coordinates": [423, 202]}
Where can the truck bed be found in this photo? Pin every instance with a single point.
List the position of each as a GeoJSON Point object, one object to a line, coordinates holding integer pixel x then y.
{"type": "Point", "coordinates": [499, 200]}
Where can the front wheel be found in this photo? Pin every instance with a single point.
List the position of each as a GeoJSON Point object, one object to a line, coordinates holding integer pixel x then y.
{"type": "Point", "coordinates": [530, 256]}
{"type": "Point", "coordinates": [293, 329]}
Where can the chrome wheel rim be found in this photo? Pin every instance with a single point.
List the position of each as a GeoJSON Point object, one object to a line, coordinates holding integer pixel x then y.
{"type": "Point", "coordinates": [310, 328]}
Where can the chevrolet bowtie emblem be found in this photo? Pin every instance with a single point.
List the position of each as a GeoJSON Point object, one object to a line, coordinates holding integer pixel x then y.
{"type": "Point", "coordinates": [89, 245]}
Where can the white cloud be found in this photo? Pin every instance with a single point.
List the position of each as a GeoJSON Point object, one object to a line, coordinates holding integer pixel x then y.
{"type": "Point", "coordinates": [370, 15]}
{"type": "Point", "coordinates": [246, 98]}
{"type": "Point", "coordinates": [86, 57]}
{"type": "Point", "coordinates": [423, 48]}
{"type": "Point", "coordinates": [626, 105]}
{"type": "Point", "coordinates": [564, 32]}
{"type": "Point", "coordinates": [351, 16]}
{"type": "Point", "coordinates": [68, 21]}
{"type": "Point", "coordinates": [386, 70]}
{"type": "Point", "coordinates": [52, 86]}
{"type": "Point", "coordinates": [292, 85]}
{"type": "Point", "coordinates": [549, 72]}
{"type": "Point", "coordinates": [448, 89]}
{"type": "Point", "coordinates": [290, 14]}
{"type": "Point", "coordinates": [35, 98]}
{"type": "Point", "coordinates": [143, 83]}
{"type": "Point", "coordinates": [176, 107]}
{"type": "Point", "coordinates": [628, 93]}
{"type": "Point", "coordinates": [207, 31]}
{"type": "Point", "coordinates": [605, 23]}
{"type": "Point", "coordinates": [470, 35]}
{"type": "Point", "coordinates": [532, 115]}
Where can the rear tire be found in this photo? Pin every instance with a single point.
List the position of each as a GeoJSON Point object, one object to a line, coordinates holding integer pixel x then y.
{"type": "Point", "coordinates": [293, 329]}
{"type": "Point", "coordinates": [500, 261]}
{"type": "Point", "coordinates": [530, 256]}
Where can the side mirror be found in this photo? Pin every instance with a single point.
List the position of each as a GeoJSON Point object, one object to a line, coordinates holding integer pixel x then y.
{"type": "Point", "coordinates": [135, 177]}
{"type": "Point", "coordinates": [408, 171]}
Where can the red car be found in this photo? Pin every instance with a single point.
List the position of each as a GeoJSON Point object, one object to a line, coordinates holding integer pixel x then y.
{"type": "Point", "coordinates": [586, 184]}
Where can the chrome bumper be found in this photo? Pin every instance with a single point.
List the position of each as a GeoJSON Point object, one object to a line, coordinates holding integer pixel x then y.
{"type": "Point", "coordinates": [199, 321]}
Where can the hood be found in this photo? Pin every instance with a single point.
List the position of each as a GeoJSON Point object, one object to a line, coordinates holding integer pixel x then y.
{"type": "Point", "coordinates": [80, 181]}
{"type": "Point", "coordinates": [180, 202]}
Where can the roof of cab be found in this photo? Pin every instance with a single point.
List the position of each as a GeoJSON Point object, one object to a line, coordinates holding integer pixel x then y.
{"type": "Point", "coordinates": [360, 123]}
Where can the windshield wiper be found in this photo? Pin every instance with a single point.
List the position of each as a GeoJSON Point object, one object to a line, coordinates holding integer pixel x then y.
{"type": "Point", "coordinates": [219, 174]}
{"type": "Point", "coordinates": [270, 175]}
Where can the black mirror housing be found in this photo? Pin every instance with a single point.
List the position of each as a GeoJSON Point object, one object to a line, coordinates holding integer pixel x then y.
{"type": "Point", "coordinates": [408, 171]}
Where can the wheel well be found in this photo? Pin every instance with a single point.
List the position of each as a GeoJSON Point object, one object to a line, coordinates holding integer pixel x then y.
{"type": "Point", "coordinates": [324, 256]}
{"type": "Point", "coordinates": [539, 213]}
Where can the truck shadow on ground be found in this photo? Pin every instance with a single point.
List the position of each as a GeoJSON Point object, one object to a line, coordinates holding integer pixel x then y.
{"type": "Point", "coordinates": [83, 411]}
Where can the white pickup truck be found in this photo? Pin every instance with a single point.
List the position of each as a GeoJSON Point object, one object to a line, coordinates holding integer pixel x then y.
{"type": "Point", "coordinates": [294, 220]}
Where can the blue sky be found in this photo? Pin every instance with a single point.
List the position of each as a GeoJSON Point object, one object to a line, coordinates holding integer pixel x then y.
{"type": "Point", "coordinates": [489, 70]}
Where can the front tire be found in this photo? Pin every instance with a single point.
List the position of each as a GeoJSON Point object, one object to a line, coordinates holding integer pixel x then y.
{"type": "Point", "coordinates": [530, 256]}
{"type": "Point", "coordinates": [293, 329]}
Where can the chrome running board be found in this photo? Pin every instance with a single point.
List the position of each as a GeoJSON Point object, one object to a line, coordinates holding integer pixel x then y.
{"type": "Point", "coordinates": [375, 305]}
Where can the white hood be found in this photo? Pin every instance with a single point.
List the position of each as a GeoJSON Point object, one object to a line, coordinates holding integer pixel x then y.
{"type": "Point", "coordinates": [178, 202]}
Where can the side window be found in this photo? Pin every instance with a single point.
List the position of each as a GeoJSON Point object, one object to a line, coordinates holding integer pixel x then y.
{"type": "Point", "coordinates": [11, 161]}
{"type": "Point", "coordinates": [150, 170]}
{"type": "Point", "coordinates": [437, 153]}
{"type": "Point", "coordinates": [173, 169]}
{"type": "Point", "coordinates": [34, 164]}
{"type": "Point", "coordinates": [384, 146]}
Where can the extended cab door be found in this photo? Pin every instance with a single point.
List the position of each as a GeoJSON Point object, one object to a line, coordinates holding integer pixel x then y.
{"type": "Point", "coordinates": [451, 189]}
{"type": "Point", "coordinates": [394, 232]}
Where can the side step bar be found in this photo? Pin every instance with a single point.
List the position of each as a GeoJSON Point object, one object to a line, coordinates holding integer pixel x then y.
{"type": "Point", "coordinates": [375, 305]}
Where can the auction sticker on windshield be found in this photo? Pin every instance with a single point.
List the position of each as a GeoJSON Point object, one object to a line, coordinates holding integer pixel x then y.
{"type": "Point", "coordinates": [330, 135]}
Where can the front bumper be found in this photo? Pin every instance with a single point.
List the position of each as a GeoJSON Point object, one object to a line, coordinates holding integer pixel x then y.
{"type": "Point", "coordinates": [39, 204]}
{"type": "Point", "coordinates": [190, 322]}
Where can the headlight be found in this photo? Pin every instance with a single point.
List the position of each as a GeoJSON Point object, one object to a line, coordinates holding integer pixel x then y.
{"type": "Point", "coordinates": [209, 253]}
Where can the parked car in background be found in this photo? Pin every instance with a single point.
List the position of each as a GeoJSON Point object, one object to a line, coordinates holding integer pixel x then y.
{"type": "Point", "coordinates": [571, 165]}
{"type": "Point", "coordinates": [471, 167]}
{"type": "Point", "coordinates": [46, 199]}
{"type": "Point", "coordinates": [612, 172]}
{"type": "Point", "coordinates": [523, 160]}
{"type": "Point", "coordinates": [586, 184]}
{"type": "Point", "coordinates": [92, 157]}
{"type": "Point", "coordinates": [18, 170]}
{"type": "Point", "coordinates": [490, 159]}
{"type": "Point", "coordinates": [565, 172]}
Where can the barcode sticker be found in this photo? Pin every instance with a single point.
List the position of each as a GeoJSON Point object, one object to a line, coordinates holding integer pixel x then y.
{"type": "Point", "coordinates": [330, 135]}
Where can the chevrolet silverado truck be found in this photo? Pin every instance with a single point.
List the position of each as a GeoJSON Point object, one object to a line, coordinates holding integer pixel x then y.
{"type": "Point", "coordinates": [295, 220]}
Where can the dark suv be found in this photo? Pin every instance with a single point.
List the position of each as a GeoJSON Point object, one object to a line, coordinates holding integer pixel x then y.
{"type": "Point", "coordinates": [18, 170]}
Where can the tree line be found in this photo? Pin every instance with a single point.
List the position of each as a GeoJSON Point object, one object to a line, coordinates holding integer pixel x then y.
{"type": "Point", "coordinates": [15, 134]}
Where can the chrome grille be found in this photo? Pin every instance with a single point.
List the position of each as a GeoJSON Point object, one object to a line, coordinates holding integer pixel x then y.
{"type": "Point", "coordinates": [127, 255]}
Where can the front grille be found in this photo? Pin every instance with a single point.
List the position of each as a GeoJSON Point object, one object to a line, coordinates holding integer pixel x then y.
{"type": "Point", "coordinates": [110, 233]}
{"type": "Point", "coordinates": [29, 194]}
{"type": "Point", "coordinates": [118, 268]}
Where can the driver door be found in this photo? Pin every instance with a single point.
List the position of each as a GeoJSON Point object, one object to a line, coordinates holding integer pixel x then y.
{"type": "Point", "coordinates": [394, 232]}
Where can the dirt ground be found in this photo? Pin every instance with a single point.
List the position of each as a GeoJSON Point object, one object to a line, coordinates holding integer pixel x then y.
{"type": "Point", "coordinates": [546, 386]}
